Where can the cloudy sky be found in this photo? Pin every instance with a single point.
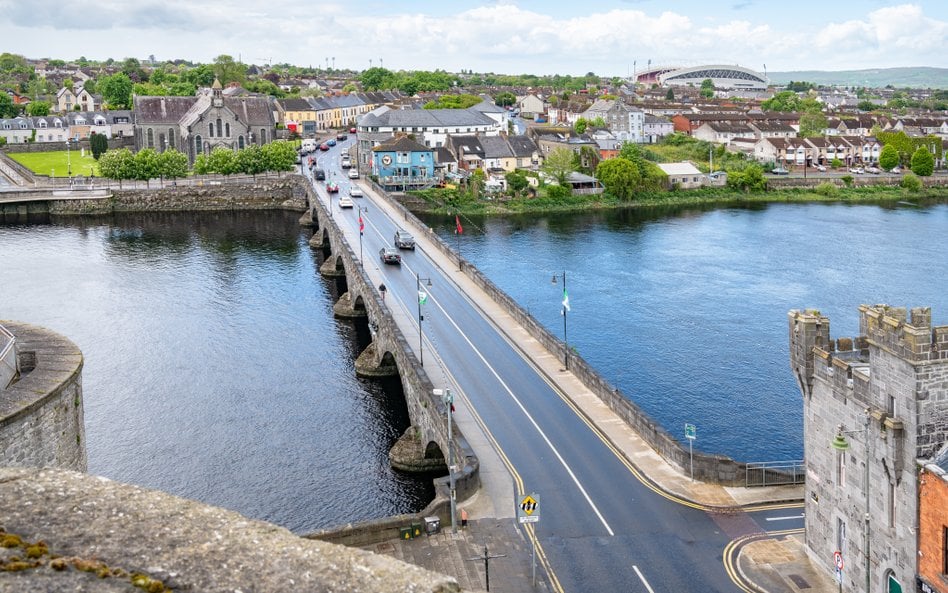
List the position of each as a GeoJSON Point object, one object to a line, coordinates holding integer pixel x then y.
{"type": "Point", "coordinates": [608, 37]}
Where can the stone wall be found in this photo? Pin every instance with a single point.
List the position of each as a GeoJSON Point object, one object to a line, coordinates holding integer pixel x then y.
{"type": "Point", "coordinates": [100, 535]}
{"type": "Point", "coordinates": [41, 414]}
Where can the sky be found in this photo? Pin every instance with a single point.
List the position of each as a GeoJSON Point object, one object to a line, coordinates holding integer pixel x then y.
{"type": "Point", "coordinates": [608, 37]}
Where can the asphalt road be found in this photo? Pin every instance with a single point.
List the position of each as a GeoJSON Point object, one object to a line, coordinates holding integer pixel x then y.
{"type": "Point", "coordinates": [601, 528]}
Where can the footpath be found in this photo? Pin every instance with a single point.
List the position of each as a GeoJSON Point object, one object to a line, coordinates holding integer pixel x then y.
{"type": "Point", "coordinates": [770, 565]}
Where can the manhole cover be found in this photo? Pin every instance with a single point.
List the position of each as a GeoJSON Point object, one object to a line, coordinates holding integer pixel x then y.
{"type": "Point", "coordinates": [799, 581]}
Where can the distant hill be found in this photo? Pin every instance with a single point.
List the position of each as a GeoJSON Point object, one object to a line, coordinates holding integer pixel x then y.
{"type": "Point", "coordinates": [920, 77]}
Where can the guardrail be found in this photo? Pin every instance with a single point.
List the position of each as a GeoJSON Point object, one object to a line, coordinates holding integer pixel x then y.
{"type": "Point", "coordinates": [9, 364]}
{"type": "Point", "coordinates": [774, 473]}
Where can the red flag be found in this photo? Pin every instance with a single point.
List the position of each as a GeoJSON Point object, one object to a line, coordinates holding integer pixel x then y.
{"type": "Point", "coordinates": [361, 225]}
{"type": "Point", "coordinates": [457, 221]}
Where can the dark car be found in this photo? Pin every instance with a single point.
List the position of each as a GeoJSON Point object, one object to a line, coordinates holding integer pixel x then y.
{"type": "Point", "coordinates": [320, 174]}
{"type": "Point", "coordinates": [390, 255]}
{"type": "Point", "coordinates": [341, 136]}
{"type": "Point", "coordinates": [324, 147]}
{"type": "Point", "coordinates": [404, 240]}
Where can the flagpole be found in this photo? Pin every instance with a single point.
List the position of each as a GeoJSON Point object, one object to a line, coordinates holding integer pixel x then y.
{"type": "Point", "coordinates": [458, 230]}
{"type": "Point", "coordinates": [565, 309]}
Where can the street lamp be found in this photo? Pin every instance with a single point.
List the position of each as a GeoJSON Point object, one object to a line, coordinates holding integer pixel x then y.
{"type": "Point", "coordinates": [448, 399]}
{"type": "Point", "coordinates": [422, 299]}
{"type": "Point", "coordinates": [564, 312]}
{"type": "Point", "coordinates": [841, 444]}
{"type": "Point", "coordinates": [68, 160]}
{"type": "Point", "coordinates": [361, 230]}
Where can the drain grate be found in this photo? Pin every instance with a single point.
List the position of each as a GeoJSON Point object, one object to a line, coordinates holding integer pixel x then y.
{"type": "Point", "coordinates": [799, 581]}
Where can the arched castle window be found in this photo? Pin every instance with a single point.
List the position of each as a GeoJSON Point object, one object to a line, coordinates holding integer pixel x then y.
{"type": "Point", "coordinates": [263, 135]}
{"type": "Point", "coordinates": [240, 142]}
{"type": "Point", "coordinates": [227, 129]}
{"type": "Point", "coordinates": [210, 130]}
{"type": "Point", "coordinates": [197, 145]}
{"type": "Point", "coordinates": [150, 138]}
{"type": "Point", "coordinates": [171, 143]}
{"type": "Point", "coordinates": [219, 128]}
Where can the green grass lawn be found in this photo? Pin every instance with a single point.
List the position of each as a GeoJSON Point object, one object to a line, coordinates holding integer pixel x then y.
{"type": "Point", "coordinates": [57, 164]}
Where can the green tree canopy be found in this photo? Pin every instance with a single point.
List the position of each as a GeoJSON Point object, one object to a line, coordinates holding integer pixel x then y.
{"type": "Point", "coordinates": [454, 102]}
{"type": "Point", "coordinates": [98, 144]}
{"type": "Point", "coordinates": [620, 177]}
{"type": "Point", "coordinates": [377, 79]}
{"type": "Point", "coordinates": [670, 94]}
{"type": "Point", "coordinates": [923, 162]}
{"type": "Point", "coordinates": [558, 164]}
{"type": "Point", "coordinates": [580, 126]}
{"type": "Point", "coordinates": [117, 91]}
{"type": "Point", "coordinates": [505, 99]}
{"type": "Point", "coordinates": [748, 178]}
{"type": "Point", "coordinates": [516, 182]}
{"type": "Point", "coordinates": [813, 124]}
{"type": "Point", "coordinates": [783, 101]}
{"type": "Point", "coordinates": [227, 70]}
{"type": "Point", "coordinates": [889, 157]}
{"type": "Point", "coordinates": [7, 107]}
{"type": "Point", "coordinates": [172, 164]}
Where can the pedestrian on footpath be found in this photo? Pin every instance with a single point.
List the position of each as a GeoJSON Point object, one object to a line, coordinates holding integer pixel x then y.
{"type": "Point", "coordinates": [382, 290]}
{"type": "Point", "coordinates": [463, 518]}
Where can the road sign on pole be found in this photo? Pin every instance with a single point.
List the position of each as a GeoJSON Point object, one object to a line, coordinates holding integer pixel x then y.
{"type": "Point", "coordinates": [838, 559]}
{"type": "Point", "coordinates": [691, 432]}
{"type": "Point", "coordinates": [528, 509]}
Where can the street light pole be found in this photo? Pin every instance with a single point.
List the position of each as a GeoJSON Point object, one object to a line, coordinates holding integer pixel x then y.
{"type": "Point", "coordinates": [361, 230]}
{"type": "Point", "coordinates": [841, 444]}
{"type": "Point", "coordinates": [68, 160]}
{"type": "Point", "coordinates": [448, 399]}
{"type": "Point", "coordinates": [564, 312]}
{"type": "Point", "coordinates": [422, 299]}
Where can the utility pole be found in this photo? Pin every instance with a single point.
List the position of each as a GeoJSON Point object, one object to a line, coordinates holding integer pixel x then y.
{"type": "Point", "coordinates": [486, 558]}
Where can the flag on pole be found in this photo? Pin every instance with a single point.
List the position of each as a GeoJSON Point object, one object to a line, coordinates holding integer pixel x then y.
{"type": "Point", "coordinates": [422, 297]}
{"type": "Point", "coordinates": [457, 222]}
{"type": "Point", "coordinates": [361, 224]}
{"type": "Point", "coordinates": [565, 302]}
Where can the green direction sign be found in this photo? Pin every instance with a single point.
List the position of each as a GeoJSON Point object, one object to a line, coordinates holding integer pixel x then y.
{"type": "Point", "coordinates": [691, 432]}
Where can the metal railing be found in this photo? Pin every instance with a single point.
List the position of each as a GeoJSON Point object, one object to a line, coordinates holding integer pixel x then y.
{"type": "Point", "coordinates": [774, 473]}
{"type": "Point", "coordinates": [9, 365]}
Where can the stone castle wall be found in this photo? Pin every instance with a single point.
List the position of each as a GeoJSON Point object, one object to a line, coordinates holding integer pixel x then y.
{"type": "Point", "coordinates": [41, 414]}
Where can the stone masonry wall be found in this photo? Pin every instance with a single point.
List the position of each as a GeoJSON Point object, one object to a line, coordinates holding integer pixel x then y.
{"type": "Point", "coordinates": [41, 415]}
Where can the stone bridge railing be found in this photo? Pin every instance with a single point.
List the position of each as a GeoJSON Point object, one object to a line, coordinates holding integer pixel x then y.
{"type": "Point", "coordinates": [390, 353]}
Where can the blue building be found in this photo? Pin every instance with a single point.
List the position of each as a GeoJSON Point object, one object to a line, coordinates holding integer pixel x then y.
{"type": "Point", "coordinates": [403, 163]}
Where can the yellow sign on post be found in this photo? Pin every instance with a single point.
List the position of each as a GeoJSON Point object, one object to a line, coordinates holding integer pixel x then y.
{"type": "Point", "coordinates": [528, 509]}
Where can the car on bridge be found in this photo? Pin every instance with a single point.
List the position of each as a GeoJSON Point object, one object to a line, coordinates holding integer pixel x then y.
{"type": "Point", "coordinates": [779, 171]}
{"type": "Point", "coordinates": [353, 173]}
{"type": "Point", "coordinates": [332, 187]}
{"type": "Point", "coordinates": [390, 255]}
{"type": "Point", "coordinates": [404, 240]}
{"type": "Point", "coordinates": [356, 192]}
{"type": "Point", "coordinates": [346, 202]}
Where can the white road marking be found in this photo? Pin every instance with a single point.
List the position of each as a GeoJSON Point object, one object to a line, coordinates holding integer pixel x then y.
{"type": "Point", "coordinates": [787, 518]}
{"type": "Point", "coordinates": [644, 582]}
{"type": "Point", "coordinates": [527, 414]}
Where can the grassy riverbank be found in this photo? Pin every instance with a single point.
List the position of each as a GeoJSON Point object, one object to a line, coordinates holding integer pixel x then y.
{"type": "Point", "coordinates": [447, 202]}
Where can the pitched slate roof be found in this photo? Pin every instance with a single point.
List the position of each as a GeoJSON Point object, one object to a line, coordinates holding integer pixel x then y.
{"type": "Point", "coordinates": [427, 118]}
{"type": "Point", "coordinates": [496, 147]}
{"type": "Point", "coordinates": [522, 146]}
{"type": "Point", "coordinates": [401, 144]}
{"type": "Point", "coordinates": [295, 105]}
{"type": "Point", "coordinates": [467, 145]}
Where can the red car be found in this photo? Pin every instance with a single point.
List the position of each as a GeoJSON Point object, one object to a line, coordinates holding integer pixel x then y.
{"type": "Point", "coordinates": [332, 187]}
{"type": "Point", "coordinates": [352, 130]}
{"type": "Point", "coordinates": [324, 147]}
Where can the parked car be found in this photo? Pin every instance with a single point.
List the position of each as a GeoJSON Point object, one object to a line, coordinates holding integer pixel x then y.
{"type": "Point", "coordinates": [324, 147]}
{"type": "Point", "coordinates": [341, 136]}
{"type": "Point", "coordinates": [346, 164]}
{"type": "Point", "coordinates": [346, 202]}
{"type": "Point", "coordinates": [390, 255]}
{"type": "Point", "coordinates": [404, 240]}
{"type": "Point", "coordinates": [873, 170]}
{"type": "Point", "coordinates": [779, 171]}
{"type": "Point", "coordinates": [331, 142]}
{"type": "Point", "coordinates": [356, 192]}
{"type": "Point", "coordinates": [857, 170]}
{"type": "Point", "coordinates": [353, 173]}
{"type": "Point", "coordinates": [320, 174]}
{"type": "Point", "coordinates": [896, 169]}
{"type": "Point", "coordinates": [821, 168]}
{"type": "Point", "coordinates": [352, 130]}
{"type": "Point", "coordinates": [331, 187]}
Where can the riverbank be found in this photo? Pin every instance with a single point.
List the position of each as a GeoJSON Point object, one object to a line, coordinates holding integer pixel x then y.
{"type": "Point", "coordinates": [870, 194]}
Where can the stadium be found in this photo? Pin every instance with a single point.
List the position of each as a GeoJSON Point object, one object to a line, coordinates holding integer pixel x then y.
{"type": "Point", "coordinates": [723, 77]}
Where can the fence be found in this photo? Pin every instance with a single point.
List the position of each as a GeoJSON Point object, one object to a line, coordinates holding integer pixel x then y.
{"type": "Point", "coordinates": [774, 473]}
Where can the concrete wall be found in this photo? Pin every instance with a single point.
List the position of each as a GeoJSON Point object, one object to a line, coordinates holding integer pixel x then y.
{"type": "Point", "coordinates": [41, 417]}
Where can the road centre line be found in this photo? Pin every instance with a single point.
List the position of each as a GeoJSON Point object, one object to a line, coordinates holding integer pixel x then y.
{"type": "Point", "coordinates": [787, 518]}
{"type": "Point", "coordinates": [527, 414]}
{"type": "Point", "coordinates": [642, 578]}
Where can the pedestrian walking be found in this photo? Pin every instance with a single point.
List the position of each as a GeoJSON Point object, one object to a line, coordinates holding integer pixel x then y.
{"type": "Point", "coordinates": [382, 290]}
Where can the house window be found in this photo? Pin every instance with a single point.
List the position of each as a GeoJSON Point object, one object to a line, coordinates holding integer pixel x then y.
{"type": "Point", "coordinates": [220, 130]}
{"type": "Point", "coordinates": [150, 138]}
{"type": "Point", "coordinates": [263, 135]}
{"type": "Point", "coordinates": [210, 130]}
{"type": "Point", "coordinates": [171, 143]}
{"type": "Point", "coordinates": [240, 142]}
{"type": "Point", "coordinates": [197, 144]}
{"type": "Point", "coordinates": [227, 129]}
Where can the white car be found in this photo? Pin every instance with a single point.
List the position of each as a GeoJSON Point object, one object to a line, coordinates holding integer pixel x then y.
{"type": "Point", "coordinates": [346, 202]}
{"type": "Point", "coordinates": [821, 168]}
{"type": "Point", "coordinates": [353, 173]}
{"type": "Point", "coordinates": [356, 192]}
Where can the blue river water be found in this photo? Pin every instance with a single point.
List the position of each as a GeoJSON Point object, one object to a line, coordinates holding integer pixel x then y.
{"type": "Point", "coordinates": [214, 368]}
{"type": "Point", "coordinates": [686, 311]}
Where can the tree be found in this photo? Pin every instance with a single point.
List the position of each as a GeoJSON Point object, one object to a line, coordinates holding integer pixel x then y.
{"type": "Point", "coordinates": [750, 178]}
{"type": "Point", "coordinates": [117, 164]}
{"type": "Point", "coordinates": [620, 177]}
{"type": "Point", "coordinates": [670, 94]}
{"type": "Point", "coordinates": [516, 182]}
{"type": "Point", "coordinates": [866, 105]}
{"type": "Point", "coordinates": [580, 126]}
{"type": "Point", "coordinates": [117, 91]}
{"type": "Point", "coordinates": [98, 144]}
{"type": "Point", "coordinates": [559, 164]}
{"type": "Point", "coordinates": [377, 79]}
{"type": "Point", "coordinates": [172, 164]}
{"type": "Point", "coordinates": [923, 162]}
{"type": "Point", "coordinates": [7, 107]}
{"type": "Point", "coordinates": [227, 70]}
{"type": "Point", "coordinates": [707, 88]}
{"type": "Point", "coordinates": [147, 165]}
{"type": "Point", "coordinates": [782, 101]}
{"type": "Point", "coordinates": [505, 99]}
{"type": "Point", "coordinates": [889, 157]}
{"type": "Point", "coordinates": [222, 160]}
{"type": "Point", "coordinates": [812, 125]}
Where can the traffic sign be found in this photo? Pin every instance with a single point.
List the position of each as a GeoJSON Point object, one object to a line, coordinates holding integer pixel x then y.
{"type": "Point", "coordinates": [838, 560]}
{"type": "Point", "coordinates": [528, 509]}
{"type": "Point", "coordinates": [691, 432]}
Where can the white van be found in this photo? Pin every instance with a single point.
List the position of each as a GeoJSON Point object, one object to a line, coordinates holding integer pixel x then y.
{"type": "Point", "coordinates": [308, 146]}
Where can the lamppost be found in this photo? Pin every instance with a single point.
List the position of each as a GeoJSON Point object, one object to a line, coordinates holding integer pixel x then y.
{"type": "Point", "coordinates": [564, 312]}
{"type": "Point", "coordinates": [361, 230]}
{"type": "Point", "coordinates": [68, 160]}
{"type": "Point", "coordinates": [841, 444]}
{"type": "Point", "coordinates": [448, 399]}
{"type": "Point", "coordinates": [422, 299]}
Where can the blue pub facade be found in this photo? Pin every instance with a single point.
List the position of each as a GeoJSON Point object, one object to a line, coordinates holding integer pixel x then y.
{"type": "Point", "coordinates": [403, 163]}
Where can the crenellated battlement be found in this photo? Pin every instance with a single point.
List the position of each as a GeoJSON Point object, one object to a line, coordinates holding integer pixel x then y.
{"type": "Point", "coordinates": [912, 339]}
